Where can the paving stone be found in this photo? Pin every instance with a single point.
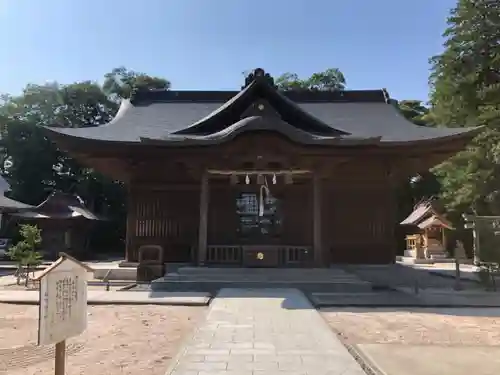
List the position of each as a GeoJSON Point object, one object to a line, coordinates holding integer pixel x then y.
{"type": "Point", "coordinates": [208, 351]}
{"type": "Point", "coordinates": [227, 358]}
{"type": "Point", "coordinates": [253, 366]}
{"type": "Point", "coordinates": [196, 358]}
{"type": "Point", "coordinates": [262, 332]}
{"type": "Point", "coordinates": [202, 366]}
{"type": "Point", "coordinates": [231, 345]}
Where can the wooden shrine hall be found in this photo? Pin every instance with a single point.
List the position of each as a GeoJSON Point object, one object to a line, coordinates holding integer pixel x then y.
{"type": "Point", "coordinates": [261, 177]}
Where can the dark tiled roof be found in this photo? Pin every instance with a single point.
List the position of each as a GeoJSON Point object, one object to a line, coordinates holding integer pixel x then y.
{"type": "Point", "coordinates": [207, 117]}
{"type": "Point", "coordinates": [10, 205]}
{"type": "Point", "coordinates": [425, 215]}
{"type": "Point", "coordinates": [59, 206]}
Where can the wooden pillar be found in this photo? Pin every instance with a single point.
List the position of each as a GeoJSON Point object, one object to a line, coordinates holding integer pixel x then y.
{"type": "Point", "coordinates": [202, 230]}
{"type": "Point", "coordinates": [317, 236]}
{"type": "Point", "coordinates": [130, 252]}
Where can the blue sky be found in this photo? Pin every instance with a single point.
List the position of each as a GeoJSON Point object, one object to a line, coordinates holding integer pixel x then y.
{"type": "Point", "coordinates": [207, 44]}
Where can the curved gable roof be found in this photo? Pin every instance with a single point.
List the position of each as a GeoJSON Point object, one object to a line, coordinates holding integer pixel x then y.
{"type": "Point", "coordinates": [197, 117]}
{"type": "Point", "coordinates": [233, 110]}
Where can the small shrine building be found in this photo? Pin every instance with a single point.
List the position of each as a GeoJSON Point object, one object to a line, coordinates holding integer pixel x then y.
{"type": "Point", "coordinates": [65, 223]}
{"type": "Point", "coordinates": [428, 240]}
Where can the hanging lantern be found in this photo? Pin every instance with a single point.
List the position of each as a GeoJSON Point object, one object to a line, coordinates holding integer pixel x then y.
{"type": "Point", "coordinates": [288, 179]}
{"type": "Point", "coordinates": [274, 179]}
{"type": "Point", "coordinates": [260, 179]}
{"type": "Point", "coordinates": [234, 179]}
{"type": "Point", "coordinates": [247, 180]}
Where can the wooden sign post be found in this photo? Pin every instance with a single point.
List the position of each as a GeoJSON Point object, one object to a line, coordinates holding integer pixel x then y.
{"type": "Point", "coordinates": [63, 305]}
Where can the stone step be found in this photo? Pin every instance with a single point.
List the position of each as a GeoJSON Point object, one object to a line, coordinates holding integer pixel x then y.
{"type": "Point", "coordinates": [374, 298]}
{"type": "Point", "coordinates": [260, 271]}
{"type": "Point", "coordinates": [213, 286]}
{"type": "Point", "coordinates": [262, 278]}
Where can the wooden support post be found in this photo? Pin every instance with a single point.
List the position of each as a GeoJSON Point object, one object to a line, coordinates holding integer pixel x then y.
{"type": "Point", "coordinates": [317, 236]}
{"type": "Point", "coordinates": [130, 255]}
{"type": "Point", "coordinates": [458, 284]}
{"type": "Point", "coordinates": [60, 358]}
{"type": "Point", "coordinates": [475, 236]}
{"type": "Point", "coordinates": [202, 230]}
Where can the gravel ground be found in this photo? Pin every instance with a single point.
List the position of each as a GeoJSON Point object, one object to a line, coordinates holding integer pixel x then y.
{"type": "Point", "coordinates": [120, 340]}
{"type": "Point", "coordinates": [473, 327]}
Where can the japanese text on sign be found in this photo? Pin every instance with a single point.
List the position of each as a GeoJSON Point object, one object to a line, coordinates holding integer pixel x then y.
{"type": "Point", "coordinates": [63, 304]}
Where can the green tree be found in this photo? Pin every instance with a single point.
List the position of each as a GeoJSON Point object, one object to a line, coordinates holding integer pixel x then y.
{"type": "Point", "coordinates": [33, 165]}
{"type": "Point", "coordinates": [416, 112]}
{"type": "Point", "coordinates": [25, 253]}
{"type": "Point", "coordinates": [28, 159]}
{"type": "Point", "coordinates": [331, 79]}
{"type": "Point", "coordinates": [121, 82]}
{"type": "Point", "coordinates": [425, 184]}
{"type": "Point", "coordinates": [465, 83]}
{"type": "Point", "coordinates": [469, 65]}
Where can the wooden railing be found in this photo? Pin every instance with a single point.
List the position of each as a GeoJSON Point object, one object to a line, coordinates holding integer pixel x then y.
{"type": "Point", "coordinates": [412, 241]}
{"type": "Point", "coordinates": [233, 254]}
{"type": "Point", "coordinates": [295, 254]}
{"type": "Point", "coordinates": [224, 254]}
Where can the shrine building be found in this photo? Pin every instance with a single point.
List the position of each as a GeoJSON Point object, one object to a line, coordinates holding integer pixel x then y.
{"type": "Point", "coordinates": [262, 177]}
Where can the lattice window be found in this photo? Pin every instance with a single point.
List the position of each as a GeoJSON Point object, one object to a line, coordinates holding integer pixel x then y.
{"type": "Point", "coordinates": [153, 219]}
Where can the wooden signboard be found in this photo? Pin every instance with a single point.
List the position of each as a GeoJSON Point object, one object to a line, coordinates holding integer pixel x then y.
{"type": "Point", "coordinates": [63, 305]}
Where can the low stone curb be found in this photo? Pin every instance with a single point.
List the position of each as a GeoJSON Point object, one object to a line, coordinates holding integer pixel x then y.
{"type": "Point", "coordinates": [118, 303]}
{"type": "Point", "coordinates": [401, 299]}
{"type": "Point", "coordinates": [117, 298]}
{"type": "Point", "coordinates": [366, 364]}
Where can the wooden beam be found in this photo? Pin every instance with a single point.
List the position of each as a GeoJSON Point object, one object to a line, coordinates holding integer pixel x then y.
{"type": "Point", "coordinates": [146, 186]}
{"type": "Point", "coordinates": [257, 172]}
{"type": "Point", "coordinates": [203, 228]}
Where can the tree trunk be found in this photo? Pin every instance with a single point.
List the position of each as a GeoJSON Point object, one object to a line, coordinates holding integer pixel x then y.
{"type": "Point", "coordinates": [26, 281]}
{"type": "Point", "coordinates": [18, 274]}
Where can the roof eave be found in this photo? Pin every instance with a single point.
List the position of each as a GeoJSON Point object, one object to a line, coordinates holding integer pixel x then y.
{"type": "Point", "coordinates": [187, 142]}
{"type": "Point", "coordinates": [465, 136]}
{"type": "Point", "coordinates": [61, 137]}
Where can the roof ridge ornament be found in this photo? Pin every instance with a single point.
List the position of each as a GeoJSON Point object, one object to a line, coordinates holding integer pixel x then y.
{"type": "Point", "coordinates": [258, 74]}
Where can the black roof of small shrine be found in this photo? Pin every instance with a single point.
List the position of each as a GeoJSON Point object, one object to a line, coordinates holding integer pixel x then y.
{"type": "Point", "coordinates": [59, 205]}
{"type": "Point", "coordinates": [183, 118]}
{"type": "Point", "coordinates": [11, 205]}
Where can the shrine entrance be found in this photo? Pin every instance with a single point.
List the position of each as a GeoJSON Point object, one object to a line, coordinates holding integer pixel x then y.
{"type": "Point", "coordinates": [259, 218]}
{"type": "Point", "coordinates": [264, 234]}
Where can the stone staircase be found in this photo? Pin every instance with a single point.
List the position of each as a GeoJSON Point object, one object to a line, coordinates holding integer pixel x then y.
{"type": "Point", "coordinates": [308, 280]}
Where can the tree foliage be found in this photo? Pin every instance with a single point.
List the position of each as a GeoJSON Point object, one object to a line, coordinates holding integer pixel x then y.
{"type": "Point", "coordinates": [25, 253]}
{"type": "Point", "coordinates": [34, 166]}
{"type": "Point", "coordinates": [466, 91]}
{"type": "Point", "coordinates": [27, 158]}
{"type": "Point", "coordinates": [416, 112]}
{"type": "Point", "coordinates": [331, 79]}
{"type": "Point", "coordinates": [121, 82]}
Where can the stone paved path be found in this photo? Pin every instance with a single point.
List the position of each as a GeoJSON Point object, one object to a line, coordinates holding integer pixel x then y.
{"type": "Point", "coordinates": [261, 332]}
